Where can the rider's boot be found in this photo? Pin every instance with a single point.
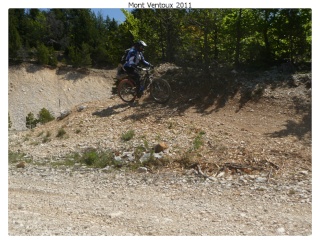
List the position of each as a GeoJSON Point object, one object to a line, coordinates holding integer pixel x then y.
{"type": "Point", "coordinates": [139, 91]}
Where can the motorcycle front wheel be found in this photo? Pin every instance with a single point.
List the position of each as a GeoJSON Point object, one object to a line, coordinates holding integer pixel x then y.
{"type": "Point", "coordinates": [160, 90]}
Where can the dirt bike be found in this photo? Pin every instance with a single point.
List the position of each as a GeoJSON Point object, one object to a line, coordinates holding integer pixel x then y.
{"type": "Point", "coordinates": [159, 89]}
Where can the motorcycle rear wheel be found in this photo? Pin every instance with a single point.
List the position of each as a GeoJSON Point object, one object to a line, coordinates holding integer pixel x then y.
{"type": "Point", "coordinates": [127, 91]}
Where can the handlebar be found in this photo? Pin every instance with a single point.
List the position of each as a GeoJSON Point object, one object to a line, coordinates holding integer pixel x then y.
{"type": "Point", "coordinates": [146, 68]}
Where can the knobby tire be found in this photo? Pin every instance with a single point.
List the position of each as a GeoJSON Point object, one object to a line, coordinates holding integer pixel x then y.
{"type": "Point", "coordinates": [160, 91]}
{"type": "Point", "coordinates": [127, 91]}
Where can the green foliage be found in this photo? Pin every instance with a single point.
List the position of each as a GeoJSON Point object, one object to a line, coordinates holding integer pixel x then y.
{"type": "Point", "coordinates": [9, 121]}
{"type": "Point", "coordinates": [97, 159]}
{"type": "Point", "coordinates": [14, 42]}
{"type": "Point", "coordinates": [131, 24]}
{"type": "Point", "coordinates": [15, 157]}
{"type": "Point", "coordinates": [53, 61]}
{"type": "Point", "coordinates": [31, 121]}
{"type": "Point", "coordinates": [45, 116]}
{"type": "Point", "coordinates": [198, 140]}
{"type": "Point", "coordinates": [80, 57]}
{"type": "Point", "coordinates": [101, 56]}
{"type": "Point", "coordinates": [42, 54]}
{"type": "Point", "coordinates": [61, 133]}
{"type": "Point", "coordinates": [193, 37]}
{"type": "Point", "coordinates": [90, 158]}
{"type": "Point", "coordinates": [46, 138]}
{"type": "Point", "coordinates": [127, 136]}
{"type": "Point", "coordinates": [186, 160]}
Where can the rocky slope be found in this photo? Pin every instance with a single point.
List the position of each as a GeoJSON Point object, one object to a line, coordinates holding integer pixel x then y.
{"type": "Point", "coordinates": [236, 147]}
{"type": "Point", "coordinates": [33, 87]}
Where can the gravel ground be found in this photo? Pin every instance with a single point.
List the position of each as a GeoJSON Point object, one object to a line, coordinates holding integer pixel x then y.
{"type": "Point", "coordinates": [48, 201]}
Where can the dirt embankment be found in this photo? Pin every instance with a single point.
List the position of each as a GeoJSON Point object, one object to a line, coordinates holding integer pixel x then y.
{"type": "Point", "coordinates": [257, 119]}
{"type": "Point", "coordinates": [238, 160]}
{"type": "Point", "coordinates": [33, 87]}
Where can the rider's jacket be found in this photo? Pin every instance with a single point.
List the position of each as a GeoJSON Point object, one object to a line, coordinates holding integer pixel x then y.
{"type": "Point", "coordinates": [134, 57]}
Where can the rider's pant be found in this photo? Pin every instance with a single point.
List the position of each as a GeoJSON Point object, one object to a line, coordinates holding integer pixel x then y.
{"type": "Point", "coordinates": [136, 76]}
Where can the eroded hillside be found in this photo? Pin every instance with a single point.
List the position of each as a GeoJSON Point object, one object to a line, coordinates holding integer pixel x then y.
{"type": "Point", "coordinates": [263, 121]}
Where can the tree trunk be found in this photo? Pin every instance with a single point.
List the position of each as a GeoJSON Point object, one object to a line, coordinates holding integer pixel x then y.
{"type": "Point", "coordinates": [238, 37]}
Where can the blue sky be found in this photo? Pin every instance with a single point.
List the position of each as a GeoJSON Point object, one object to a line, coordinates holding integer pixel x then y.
{"type": "Point", "coordinates": [115, 13]}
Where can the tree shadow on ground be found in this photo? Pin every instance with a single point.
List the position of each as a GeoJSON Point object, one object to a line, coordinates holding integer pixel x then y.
{"type": "Point", "coordinates": [73, 74]}
{"type": "Point", "coordinates": [30, 66]}
{"type": "Point", "coordinates": [293, 128]}
{"type": "Point", "coordinates": [112, 110]}
{"type": "Point", "coordinates": [301, 129]}
{"type": "Point", "coordinates": [207, 93]}
{"type": "Point", "coordinates": [140, 115]}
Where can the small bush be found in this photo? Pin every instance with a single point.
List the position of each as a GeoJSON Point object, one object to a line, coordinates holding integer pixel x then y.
{"type": "Point", "coordinates": [138, 152]}
{"type": "Point", "coordinates": [80, 57]}
{"type": "Point", "coordinates": [45, 116]}
{"type": "Point", "coordinates": [127, 136]}
{"type": "Point", "coordinates": [61, 133]}
{"type": "Point", "coordinates": [9, 121]}
{"type": "Point", "coordinates": [53, 61]}
{"type": "Point", "coordinates": [15, 157]}
{"type": "Point", "coordinates": [31, 121]}
{"type": "Point", "coordinates": [42, 54]}
{"type": "Point", "coordinates": [97, 159]}
{"type": "Point", "coordinates": [186, 160]}
{"type": "Point", "coordinates": [90, 158]}
{"type": "Point", "coordinates": [46, 137]}
{"type": "Point", "coordinates": [198, 141]}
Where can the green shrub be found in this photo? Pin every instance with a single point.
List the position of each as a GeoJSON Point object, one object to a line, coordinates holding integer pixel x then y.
{"type": "Point", "coordinates": [80, 57]}
{"type": "Point", "coordinates": [45, 116]}
{"type": "Point", "coordinates": [31, 121]}
{"type": "Point", "coordinates": [42, 54]}
{"type": "Point", "coordinates": [15, 157]}
{"type": "Point", "coordinates": [198, 141]}
{"type": "Point", "coordinates": [127, 136]}
{"type": "Point", "coordinates": [90, 158]}
{"type": "Point", "coordinates": [61, 132]}
{"type": "Point", "coordinates": [53, 61]}
{"type": "Point", "coordinates": [9, 121]}
{"type": "Point", "coordinates": [97, 159]}
{"type": "Point", "coordinates": [45, 139]}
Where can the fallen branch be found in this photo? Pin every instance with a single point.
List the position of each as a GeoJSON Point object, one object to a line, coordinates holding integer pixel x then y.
{"type": "Point", "coordinates": [272, 164]}
{"type": "Point", "coordinates": [269, 175]}
{"type": "Point", "coordinates": [198, 168]}
{"type": "Point", "coordinates": [236, 167]}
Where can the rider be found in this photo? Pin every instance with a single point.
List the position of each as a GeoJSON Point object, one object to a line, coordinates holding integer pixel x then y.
{"type": "Point", "coordinates": [134, 57]}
